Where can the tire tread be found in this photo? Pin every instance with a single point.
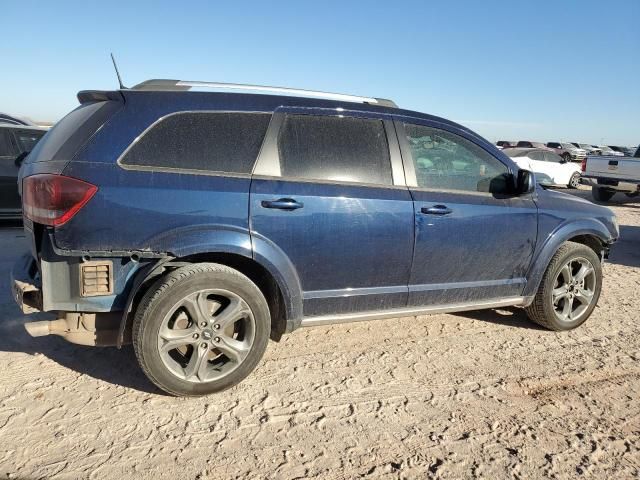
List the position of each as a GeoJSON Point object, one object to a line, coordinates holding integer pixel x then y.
{"type": "Point", "coordinates": [157, 290]}
{"type": "Point", "coordinates": [536, 310]}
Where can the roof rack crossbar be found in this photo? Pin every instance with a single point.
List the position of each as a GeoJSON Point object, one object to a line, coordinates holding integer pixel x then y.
{"type": "Point", "coordinates": [158, 84]}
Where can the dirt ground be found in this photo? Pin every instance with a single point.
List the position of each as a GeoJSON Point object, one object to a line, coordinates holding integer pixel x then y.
{"type": "Point", "coordinates": [480, 394]}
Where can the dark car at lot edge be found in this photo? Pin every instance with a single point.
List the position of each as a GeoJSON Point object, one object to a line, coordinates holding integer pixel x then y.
{"type": "Point", "coordinates": [199, 224]}
{"type": "Point", "coordinates": [16, 141]}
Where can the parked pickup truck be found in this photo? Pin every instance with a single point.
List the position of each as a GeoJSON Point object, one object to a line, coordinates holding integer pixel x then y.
{"type": "Point", "coordinates": [608, 175]}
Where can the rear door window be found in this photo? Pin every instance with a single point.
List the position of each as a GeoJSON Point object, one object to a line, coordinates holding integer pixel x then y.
{"type": "Point", "coordinates": [334, 149]}
{"type": "Point", "coordinates": [226, 142]}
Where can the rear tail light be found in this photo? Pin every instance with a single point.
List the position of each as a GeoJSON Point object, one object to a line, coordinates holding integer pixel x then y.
{"type": "Point", "coordinates": [583, 165]}
{"type": "Point", "coordinates": [54, 199]}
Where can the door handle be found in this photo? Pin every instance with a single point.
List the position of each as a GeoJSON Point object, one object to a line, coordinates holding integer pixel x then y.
{"type": "Point", "coordinates": [282, 204]}
{"type": "Point", "coordinates": [436, 210]}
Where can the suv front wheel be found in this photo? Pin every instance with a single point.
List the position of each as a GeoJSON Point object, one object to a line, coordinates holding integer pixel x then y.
{"type": "Point", "coordinates": [200, 329]}
{"type": "Point", "coordinates": [569, 290]}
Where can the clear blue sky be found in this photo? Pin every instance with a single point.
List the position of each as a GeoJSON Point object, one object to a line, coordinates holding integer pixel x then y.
{"type": "Point", "coordinates": [540, 70]}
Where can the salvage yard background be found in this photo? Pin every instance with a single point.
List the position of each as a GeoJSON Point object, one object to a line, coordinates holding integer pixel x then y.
{"type": "Point", "coordinates": [484, 394]}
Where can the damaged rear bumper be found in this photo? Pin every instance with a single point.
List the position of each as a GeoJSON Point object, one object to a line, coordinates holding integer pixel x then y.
{"type": "Point", "coordinates": [25, 285]}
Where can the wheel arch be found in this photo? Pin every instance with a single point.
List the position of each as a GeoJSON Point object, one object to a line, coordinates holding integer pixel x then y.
{"type": "Point", "coordinates": [590, 232]}
{"type": "Point", "coordinates": [266, 265]}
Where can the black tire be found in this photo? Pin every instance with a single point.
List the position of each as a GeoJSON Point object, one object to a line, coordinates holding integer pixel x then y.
{"type": "Point", "coordinates": [566, 157]}
{"type": "Point", "coordinates": [600, 194]}
{"type": "Point", "coordinates": [542, 310]}
{"type": "Point", "coordinates": [574, 182]}
{"type": "Point", "coordinates": [168, 291]}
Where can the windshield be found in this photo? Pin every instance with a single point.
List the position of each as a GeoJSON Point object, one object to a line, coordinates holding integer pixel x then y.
{"type": "Point", "coordinates": [567, 145]}
{"type": "Point", "coordinates": [585, 145]}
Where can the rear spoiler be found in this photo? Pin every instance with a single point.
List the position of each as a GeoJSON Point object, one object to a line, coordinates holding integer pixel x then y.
{"type": "Point", "coordinates": [88, 96]}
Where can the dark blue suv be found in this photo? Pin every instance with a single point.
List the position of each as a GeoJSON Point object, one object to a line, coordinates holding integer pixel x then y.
{"type": "Point", "coordinates": [198, 224]}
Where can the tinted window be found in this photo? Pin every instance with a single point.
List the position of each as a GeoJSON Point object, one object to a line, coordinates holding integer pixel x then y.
{"type": "Point", "coordinates": [220, 142]}
{"type": "Point", "coordinates": [334, 148]}
{"type": "Point", "coordinates": [552, 157]}
{"type": "Point", "coordinates": [445, 161]}
{"type": "Point", "coordinates": [6, 146]}
{"type": "Point", "coordinates": [553, 145]}
{"type": "Point", "coordinates": [27, 139]}
{"type": "Point", "coordinates": [536, 156]}
{"type": "Point", "coordinates": [524, 144]}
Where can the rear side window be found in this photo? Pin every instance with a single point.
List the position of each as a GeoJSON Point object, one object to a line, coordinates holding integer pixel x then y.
{"type": "Point", "coordinates": [341, 149]}
{"type": "Point", "coordinates": [206, 141]}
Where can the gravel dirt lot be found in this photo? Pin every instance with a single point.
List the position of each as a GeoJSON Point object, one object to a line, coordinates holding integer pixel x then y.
{"type": "Point", "coordinates": [479, 394]}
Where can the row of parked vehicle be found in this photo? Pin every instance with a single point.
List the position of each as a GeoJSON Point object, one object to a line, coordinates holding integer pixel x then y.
{"type": "Point", "coordinates": [570, 151]}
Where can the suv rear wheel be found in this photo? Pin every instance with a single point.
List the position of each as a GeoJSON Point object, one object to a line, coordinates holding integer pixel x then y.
{"type": "Point", "coordinates": [569, 290]}
{"type": "Point", "coordinates": [200, 329]}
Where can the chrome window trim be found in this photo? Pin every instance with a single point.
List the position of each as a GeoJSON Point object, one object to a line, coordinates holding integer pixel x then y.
{"type": "Point", "coordinates": [268, 161]}
{"type": "Point", "coordinates": [189, 171]}
{"type": "Point", "coordinates": [329, 182]}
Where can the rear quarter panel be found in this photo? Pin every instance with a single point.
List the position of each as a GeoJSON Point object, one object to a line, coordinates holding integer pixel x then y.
{"type": "Point", "coordinates": [155, 211]}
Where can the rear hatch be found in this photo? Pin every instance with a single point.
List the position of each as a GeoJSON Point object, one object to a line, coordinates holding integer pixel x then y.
{"type": "Point", "coordinates": [67, 136]}
{"type": "Point", "coordinates": [61, 144]}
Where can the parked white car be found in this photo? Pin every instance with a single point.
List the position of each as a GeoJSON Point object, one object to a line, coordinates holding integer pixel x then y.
{"type": "Point", "coordinates": [550, 168]}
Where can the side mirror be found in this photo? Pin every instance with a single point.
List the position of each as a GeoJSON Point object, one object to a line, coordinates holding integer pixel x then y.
{"type": "Point", "coordinates": [500, 185]}
{"type": "Point", "coordinates": [20, 158]}
{"type": "Point", "coordinates": [525, 182]}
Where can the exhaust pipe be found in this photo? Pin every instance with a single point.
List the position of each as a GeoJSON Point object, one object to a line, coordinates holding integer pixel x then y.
{"type": "Point", "coordinates": [46, 327]}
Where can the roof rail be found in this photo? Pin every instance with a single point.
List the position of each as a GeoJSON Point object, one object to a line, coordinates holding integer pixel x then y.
{"type": "Point", "coordinates": [182, 85]}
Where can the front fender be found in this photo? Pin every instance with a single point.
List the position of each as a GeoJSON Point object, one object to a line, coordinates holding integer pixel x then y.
{"type": "Point", "coordinates": [563, 232]}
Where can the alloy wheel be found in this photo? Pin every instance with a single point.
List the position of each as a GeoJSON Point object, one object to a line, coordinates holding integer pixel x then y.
{"type": "Point", "coordinates": [575, 180]}
{"type": "Point", "coordinates": [574, 289]}
{"type": "Point", "coordinates": [206, 335]}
